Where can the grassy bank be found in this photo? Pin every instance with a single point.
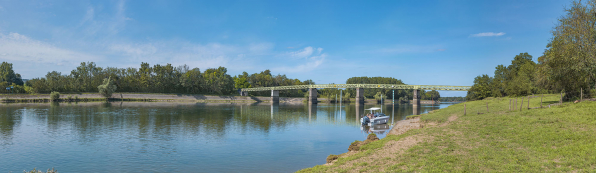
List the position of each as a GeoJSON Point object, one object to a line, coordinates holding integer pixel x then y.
{"type": "Point", "coordinates": [560, 138]}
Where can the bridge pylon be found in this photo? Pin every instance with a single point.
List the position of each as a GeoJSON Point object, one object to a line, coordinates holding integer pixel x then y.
{"type": "Point", "coordinates": [312, 96]}
{"type": "Point", "coordinates": [360, 96]}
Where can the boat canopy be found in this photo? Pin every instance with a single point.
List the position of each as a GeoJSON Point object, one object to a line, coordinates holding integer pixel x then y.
{"type": "Point", "coordinates": [373, 109]}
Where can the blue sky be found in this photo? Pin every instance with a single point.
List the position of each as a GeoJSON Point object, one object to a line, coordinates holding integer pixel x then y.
{"type": "Point", "coordinates": [419, 42]}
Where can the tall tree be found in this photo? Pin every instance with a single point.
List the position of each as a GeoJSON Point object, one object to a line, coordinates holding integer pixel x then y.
{"type": "Point", "coordinates": [8, 75]}
{"type": "Point", "coordinates": [570, 58]}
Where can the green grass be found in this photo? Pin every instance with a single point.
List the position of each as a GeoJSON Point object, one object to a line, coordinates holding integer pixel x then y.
{"type": "Point", "coordinates": [557, 139]}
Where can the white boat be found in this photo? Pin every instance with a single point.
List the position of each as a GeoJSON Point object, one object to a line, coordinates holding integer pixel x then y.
{"type": "Point", "coordinates": [378, 117]}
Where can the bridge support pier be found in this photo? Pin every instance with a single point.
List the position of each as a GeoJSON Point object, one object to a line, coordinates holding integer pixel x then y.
{"type": "Point", "coordinates": [242, 93]}
{"type": "Point", "coordinates": [274, 96]}
{"type": "Point", "coordinates": [359, 95]}
{"type": "Point", "coordinates": [416, 98]}
{"type": "Point", "coordinates": [312, 96]}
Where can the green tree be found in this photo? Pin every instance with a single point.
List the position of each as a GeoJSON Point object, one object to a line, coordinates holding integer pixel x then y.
{"type": "Point", "coordinates": [569, 62]}
{"type": "Point", "coordinates": [8, 75]}
{"type": "Point", "coordinates": [241, 81]}
{"type": "Point", "coordinates": [107, 88]}
{"type": "Point", "coordinates": [481, 88]}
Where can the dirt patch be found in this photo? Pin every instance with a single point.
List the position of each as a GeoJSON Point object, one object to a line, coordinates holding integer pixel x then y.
{"type": "Point", "coordinates": [449, 120]}
{"type": "Point", "coordinates": [382, 157]}
{"type": "Point", "coordinates": [405, 125]}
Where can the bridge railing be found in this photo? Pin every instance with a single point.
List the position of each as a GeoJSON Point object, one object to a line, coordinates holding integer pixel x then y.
{"type": "Point", "coordinates": [383, 86]}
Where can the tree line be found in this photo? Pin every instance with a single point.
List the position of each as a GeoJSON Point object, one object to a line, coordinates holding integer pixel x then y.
{"type": "Point", "coordinates": [148, 79]}
{"type": "Point", "coordinates": [568, 64]}
{"type": "Point", "coordinates": [378, 93]}
{"type": "Point", "coordinates": [169, 79]}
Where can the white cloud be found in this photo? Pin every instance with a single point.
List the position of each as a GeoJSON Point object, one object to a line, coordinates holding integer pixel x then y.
{"type": "Point", "coordinates": [93, 24]}
{"type": "Point", "coordinates": [20, 48]}
{"type": "Point", "coordinates": [488, 34]}
{"type": "Point", "coordinates": [119, 21]}
{"type": "Point", "coordinates": [309, 60]}
{"type": "Point", "coordinates": [306, 52]}
{"type": "Point", "coordinates": [195, 55]}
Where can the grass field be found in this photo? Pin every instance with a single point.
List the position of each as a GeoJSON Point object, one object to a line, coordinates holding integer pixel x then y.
{"type": "Point", "coordinates": [557, 139]}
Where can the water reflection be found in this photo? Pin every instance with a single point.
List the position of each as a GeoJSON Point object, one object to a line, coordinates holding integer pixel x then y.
{"type": "Point", "coordinates": [177, 137]}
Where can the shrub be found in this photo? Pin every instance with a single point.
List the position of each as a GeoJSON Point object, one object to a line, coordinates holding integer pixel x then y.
{"type": "Point", "coordinates": [107, 88]}
{"type": "Point", "coordinates": [54, 96]}
{"type": "Point", "coordinates": [30, 90]}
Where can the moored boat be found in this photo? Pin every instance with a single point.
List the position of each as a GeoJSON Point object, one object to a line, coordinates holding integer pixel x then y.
{"type": "Point", "coordinates": [374, 117]}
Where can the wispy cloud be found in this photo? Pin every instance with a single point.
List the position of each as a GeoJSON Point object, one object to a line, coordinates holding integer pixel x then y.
{"type": "Point", "coordinates": [91, 24]}
{"type": "Point", "coordinates": [488, 34]}
{"type": "Point", "coordinates": [309, 59]}
{"type": "Point", "coordinates": [15, 47]}
{"type": "Point", "coordinates": [304, 53]}
{"type": "Point", "coordinates": [195, 55]}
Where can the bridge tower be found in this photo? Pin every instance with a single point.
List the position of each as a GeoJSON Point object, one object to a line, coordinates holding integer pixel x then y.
{"type": "Point", "coordinates": [274, 96]}
{"type": "Point", "coordinates": [416, 99]}
{"type": "Point", "coordinates": [359, 95]}
{"type": "Point", "coordinates": [312, 96]}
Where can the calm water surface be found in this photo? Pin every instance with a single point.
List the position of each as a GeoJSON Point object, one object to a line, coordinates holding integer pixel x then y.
{"type": "Point", "coordinates": [177, 137]}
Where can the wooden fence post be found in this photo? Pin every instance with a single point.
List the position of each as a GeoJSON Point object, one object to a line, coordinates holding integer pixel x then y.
{"type": "Point", "coordinates": [528, 102]}
{"type": "Point", "coordinates": [541, 100]}
{"type": "Point", "coordinates": [509, 104]}
{"type": "Point", "coordinates": [581, 95]}
{"type": "Point", "coordinates": [521, 105]}
{"type": "Point", "coordinates": [515, 104]}
{"type": "Point", "coordinates": [561, 100]}
{"type": "Point", "coordinates": [464, 109]}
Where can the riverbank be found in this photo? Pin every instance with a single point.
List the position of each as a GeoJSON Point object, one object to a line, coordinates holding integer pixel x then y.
{"type": "Point", "coordinates": [159, 97]}
{"type": "Point", "coordinates": [560, 139]}
{"type": "Point", "coordinates": [148, 97]}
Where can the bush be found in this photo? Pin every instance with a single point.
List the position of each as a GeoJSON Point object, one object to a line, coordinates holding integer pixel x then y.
{"type": "Point", "coordinates": [30, 90]}
{"type": "Point", "coordinates": [107, 88]}
{"type": "Point", "coordinates": [380, 96]}
{"type": "Point", "coordinates": [347, 96]}
{"type": "Point", "coordinates": [54, 96]}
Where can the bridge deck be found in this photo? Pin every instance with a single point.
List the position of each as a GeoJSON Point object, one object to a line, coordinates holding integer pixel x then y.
{"type": "Point", "coordinates": [385, 86]}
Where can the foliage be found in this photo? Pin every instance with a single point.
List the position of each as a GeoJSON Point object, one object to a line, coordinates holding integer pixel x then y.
{"type": "Point", "coordinates": [107, 88]}
{"type": "Point", "coordinates": [347, 96]}
{"type": "Point", "coordinates": [8, 75]}
{"type": "Point", "coordinates": [567, 65]}
{"type": "Point", "coordinates": [431, 95]}
{"type": "Point", "coordinates": [569, 62]}
{"type": "Point", "coordinates": [156, 79]}
{"type": "Point", "coordinates": [517, 79]}
{"type": "Point", "coordinates": [379, 96]}
{"type": "Point", "coordinates": [54, 96]}
{"type": "Point", "coordinates": [241, 81]}
{"type": "Point", "coordinates": [266, 79]}
{"type": "Point", "coordinates": [378, 80]}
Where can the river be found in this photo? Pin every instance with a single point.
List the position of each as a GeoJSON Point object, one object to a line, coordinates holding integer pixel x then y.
{"type": "Point", "coordinates": [181, 137]}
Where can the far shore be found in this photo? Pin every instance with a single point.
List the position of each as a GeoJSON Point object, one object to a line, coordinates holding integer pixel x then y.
{"type": "Point", "coordinates": [163, 97]}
